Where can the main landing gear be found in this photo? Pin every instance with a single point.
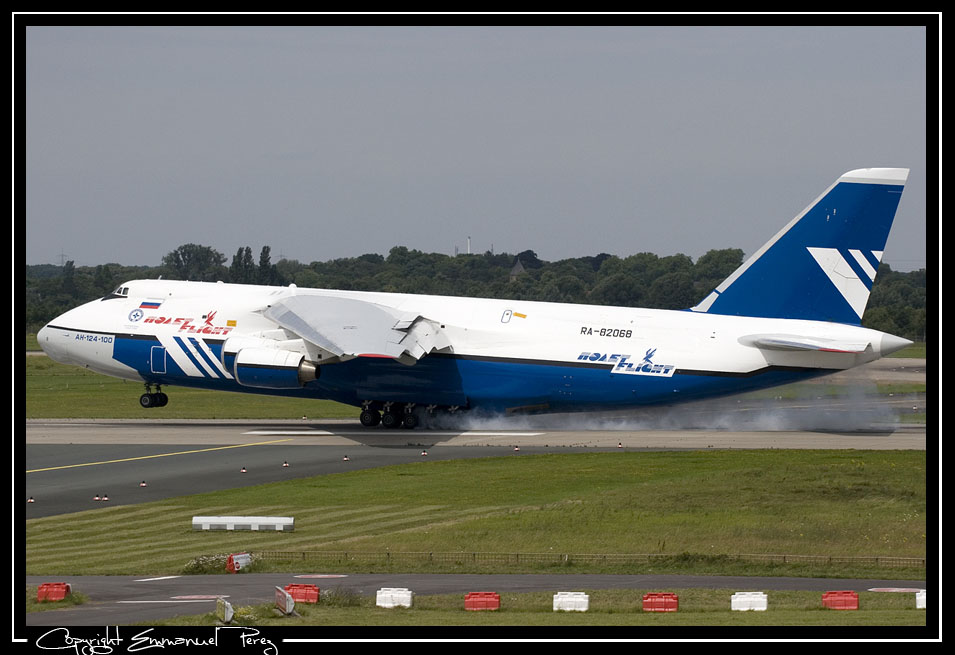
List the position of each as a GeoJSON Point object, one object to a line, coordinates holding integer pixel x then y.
{"type": "Point", "coordinates": [153, 399]}
{"type": "Point", "coordinates": [396, 415]}
{"type": "Point", "coordinates": [391, 415]}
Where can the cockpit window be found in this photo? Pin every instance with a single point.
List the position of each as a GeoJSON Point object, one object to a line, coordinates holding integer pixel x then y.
{"type": "Point", "coordinates": [119, 292]}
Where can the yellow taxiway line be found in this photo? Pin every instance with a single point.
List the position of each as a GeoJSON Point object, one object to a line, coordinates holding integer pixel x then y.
{"type": "Point", "coordinates": [183, 452]}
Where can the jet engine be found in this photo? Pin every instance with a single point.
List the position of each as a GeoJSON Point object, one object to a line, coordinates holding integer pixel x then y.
{"type": "Point", "coordinates": [268, 364]}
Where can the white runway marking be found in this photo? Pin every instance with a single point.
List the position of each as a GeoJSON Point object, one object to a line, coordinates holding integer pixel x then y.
{"type": "Point", "coordinates": [144, 602]}
{"type": "Point", "coordinates": [439, 433]}
{"type": "Point", "coordinates": [289, 433]}
{"type": "Point", "coordinates": [436, 433]}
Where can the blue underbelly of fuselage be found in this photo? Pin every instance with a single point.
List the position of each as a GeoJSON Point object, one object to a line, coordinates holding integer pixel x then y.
{"type": "Point", "coordinates": [493, 383]}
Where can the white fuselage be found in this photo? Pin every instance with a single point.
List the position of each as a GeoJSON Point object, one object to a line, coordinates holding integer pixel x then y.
{"type": "Point", "coordinates": [505, 354]}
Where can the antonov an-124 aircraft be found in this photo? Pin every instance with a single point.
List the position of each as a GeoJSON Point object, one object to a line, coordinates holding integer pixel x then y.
{"type": "Point", "coordinates": [792, 311]}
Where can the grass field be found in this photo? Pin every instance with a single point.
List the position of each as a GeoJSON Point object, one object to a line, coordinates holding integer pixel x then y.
{"type": "Point", "coordinates": [696, 505]}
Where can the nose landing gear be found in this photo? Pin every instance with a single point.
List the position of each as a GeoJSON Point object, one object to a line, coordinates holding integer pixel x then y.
{"type": "Point", "coordinates": [153, 399]}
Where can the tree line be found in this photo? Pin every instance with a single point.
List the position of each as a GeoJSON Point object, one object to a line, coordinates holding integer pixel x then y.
{"type": "Point", "coordinates": [896, 305]}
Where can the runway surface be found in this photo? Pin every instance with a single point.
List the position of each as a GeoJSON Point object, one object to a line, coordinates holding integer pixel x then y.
{"type": "Point", "coordinates": [69, 462]}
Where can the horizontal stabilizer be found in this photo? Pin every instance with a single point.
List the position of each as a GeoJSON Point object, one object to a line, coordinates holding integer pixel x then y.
{"type": "Point", "coordinates": [795, 342]}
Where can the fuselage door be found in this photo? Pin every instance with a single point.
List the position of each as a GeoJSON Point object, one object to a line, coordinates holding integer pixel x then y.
{"type": "Point", "coordinates": [157, 359]}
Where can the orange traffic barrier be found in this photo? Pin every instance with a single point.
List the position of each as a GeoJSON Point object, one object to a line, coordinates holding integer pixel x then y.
{"type": "Point", "coordinates": [661, 602]}
{"type": "Point", "coordinates": [237, 562]}
{"type": "Point", "coordinates": [841, 600]}
{"type": "Point", "coordinates": [482, 600]}
{"type": "Point", "coordinates": [52, 591]}
{"type": "Point", "coordinates": [303, 593]}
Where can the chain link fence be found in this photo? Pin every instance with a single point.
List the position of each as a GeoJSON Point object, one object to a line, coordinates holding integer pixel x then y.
{"type": "Point", "coordinates": [516, 559]}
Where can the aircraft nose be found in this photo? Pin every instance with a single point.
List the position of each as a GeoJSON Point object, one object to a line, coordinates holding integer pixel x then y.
{"type": "Point", "coordinates": [55, 343]}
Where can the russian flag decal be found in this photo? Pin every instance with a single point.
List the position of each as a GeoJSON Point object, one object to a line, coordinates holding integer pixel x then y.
{"type": "Point", "coordinates": [150, 304]}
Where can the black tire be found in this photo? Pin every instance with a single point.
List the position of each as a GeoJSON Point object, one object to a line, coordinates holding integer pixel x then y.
{"type": "Point", "coordinates": [147, 400]}
{"type": "Point", "coordinates": [369, 418]}
{"type": "Point", "coordinates": [410, 421]}
{"type": "Point", "coordinates": [391, 420]}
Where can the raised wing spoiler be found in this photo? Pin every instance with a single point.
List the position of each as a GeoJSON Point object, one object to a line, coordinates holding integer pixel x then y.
{"type": "Point", "coordinates": [347, 328]}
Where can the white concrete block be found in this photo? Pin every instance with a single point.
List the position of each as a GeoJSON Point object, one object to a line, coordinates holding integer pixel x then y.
{"type": "Point", "coordinates": [743, 601]}
{"type": "Point", "coordinates": [393, 597]}
{"type": "Point", "coordinates": [254, 523]}
{"type": "Point", "coordinates": [571, 601]}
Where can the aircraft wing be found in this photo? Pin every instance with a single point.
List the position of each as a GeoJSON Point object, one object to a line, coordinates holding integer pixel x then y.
{"type": "Point", "coordinates": [346, 327]}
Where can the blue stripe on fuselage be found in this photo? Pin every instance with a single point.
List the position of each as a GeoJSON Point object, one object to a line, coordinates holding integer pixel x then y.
{"type": "Point", "coordinates": [202, 353]}
{"type": "Point", "coordinates": [192, 358]}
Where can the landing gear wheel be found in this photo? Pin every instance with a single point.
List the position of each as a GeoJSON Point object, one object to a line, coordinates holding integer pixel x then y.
{"type": "Point", "coordinates": [410, 421]}
{"type": "Point", "coordinates": [369, 418]}
{"type": "Point", "coordinates": [153, 398]}
{"type": "Point", "coordinates": [148, 400]}
{"type": "Point", "coordinates": [391, 420]}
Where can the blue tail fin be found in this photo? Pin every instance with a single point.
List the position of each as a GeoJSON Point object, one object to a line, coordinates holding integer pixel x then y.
{"type": "Point", "coordinates": [821, 266]}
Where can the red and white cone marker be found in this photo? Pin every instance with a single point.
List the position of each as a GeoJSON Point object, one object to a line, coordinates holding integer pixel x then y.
{"type": "Point", "coordinates": [517, 449]}
{"type": "Point", "coordinates": [30, 500]}
{"type": "Point", "coordinates": [96, 497]}
{"type": "Point", "coordinates": [105, 497]}
{"type": "Point", "coordinates": [285, 464]}
{"type": "Point", "coordinates": [424, 453]}
{"type": "Point", "coordinates": [242, 470]}
{"type": "Point", "coordinates": [142, 484]}
{"type": "Point", "coordinates": [345, 458]}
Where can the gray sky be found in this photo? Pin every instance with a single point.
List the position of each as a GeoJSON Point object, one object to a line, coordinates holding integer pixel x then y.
{"type": "Point", "coordinates": [328, 142]}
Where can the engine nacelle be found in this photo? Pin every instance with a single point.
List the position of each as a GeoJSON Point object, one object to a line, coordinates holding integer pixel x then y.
{"type": "Point", "coordinates": [272, 368]}
{"type": "Point", "coordinates": [233, 345]}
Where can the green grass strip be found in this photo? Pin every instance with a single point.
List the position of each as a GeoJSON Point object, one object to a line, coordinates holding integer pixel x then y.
{"type": "Point", "coordinates": [708, 504]}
